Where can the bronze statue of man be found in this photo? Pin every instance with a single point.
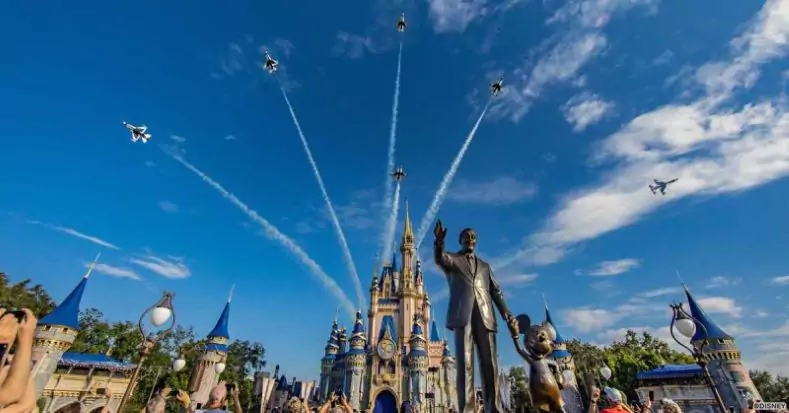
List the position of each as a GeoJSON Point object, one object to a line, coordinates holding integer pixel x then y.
{"type": "Point", "coordinates": [473, 290]}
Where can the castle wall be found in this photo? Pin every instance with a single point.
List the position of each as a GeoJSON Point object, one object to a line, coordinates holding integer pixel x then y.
{"type": "Point", "coordinates": [49, 344]}
{"type": "Point", "coordinates": [204, 376]}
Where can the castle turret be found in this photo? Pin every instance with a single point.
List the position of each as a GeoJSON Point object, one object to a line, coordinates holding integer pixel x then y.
{"type": "Point", "coordinates": [56, 332]}
{"type": "Point", "coordinates": [342, 341]}
{"type": "Point", "coordinates": [204, 375]}
{"type": "Point", "coordinates": [447, 379]}
{"type": "Point", "coordinates": [355, 362]}
{"type": "Point", "coordinates": [724, 359]}
{"type": "Point", "coordinates": [327, 362]}
{"type": "Point", "coordinates": [419, 281]}
{"type": "Point", "coordinates": [417, 364]}
{"type": "Point", "coordinates": [573, 402]}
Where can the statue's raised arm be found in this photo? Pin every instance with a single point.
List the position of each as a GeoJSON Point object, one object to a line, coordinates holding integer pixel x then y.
{"type": "Point", "coordinates": [440, 255]}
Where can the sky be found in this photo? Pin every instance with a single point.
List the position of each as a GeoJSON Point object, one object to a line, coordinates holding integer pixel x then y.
{"type": "Point", "coordinates": [600, 98]}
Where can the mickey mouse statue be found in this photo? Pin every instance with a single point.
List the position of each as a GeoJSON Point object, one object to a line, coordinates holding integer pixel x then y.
{"type": "Point", "coordinates": [545, 380]}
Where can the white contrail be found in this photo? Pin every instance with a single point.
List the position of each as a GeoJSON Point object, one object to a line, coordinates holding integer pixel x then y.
{"type": "Point", "coordinates": [274, 234]}
{"type": "Point", "coordinates": [335, 221]}
{"type": "Point", "coordinates": [438, 198]}
{"type": "Point", "coordinates": [391, 222]}
{"type": "Point", "coordinates": [389, 203]}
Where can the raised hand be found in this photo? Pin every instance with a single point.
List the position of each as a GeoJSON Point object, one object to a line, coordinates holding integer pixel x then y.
{"type": "Point", "coordinates": [439, 231]}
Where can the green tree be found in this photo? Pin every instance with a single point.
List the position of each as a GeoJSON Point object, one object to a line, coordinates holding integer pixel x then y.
{"type": "Point", "coordinates": [521, 398]}
{"type": "Point", "coordinates": [771, 388]}
{"type": "Point", "coordinates": [23, 295]}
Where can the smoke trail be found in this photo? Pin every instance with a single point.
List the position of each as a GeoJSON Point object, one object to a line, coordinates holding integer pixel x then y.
{"type": "Point", "coordinates": [335, 221]}
{"type": "Point", "coordinates": [438, 198]}
{"type": "Point", "coordinates": [390, 203]}
{"type": "Point", "coordinates": [274, 234]}
{"type": "Point", "coordinates": [391, 222]}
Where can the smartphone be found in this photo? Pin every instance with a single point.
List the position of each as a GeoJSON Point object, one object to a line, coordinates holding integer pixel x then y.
{"type": "Point", "coordinates": [101, 390]}
{"type": "Point", "coordinates": [230, 386]}
{"type": "Point", "coordinates": [173, 393]}
{"type": "Point", "coordinates": [651, 396]}
{"type": "Point", "coordinates": [19, 314]}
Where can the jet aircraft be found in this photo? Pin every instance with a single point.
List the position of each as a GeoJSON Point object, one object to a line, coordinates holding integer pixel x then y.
{"type": "Point", "coordinates": [138, 132]}
{"type": "Point", "coordinates": [496, 88]}
{"type": "Point", "coordinates": [401, 24]}
{"type": "Point", "coordinates": [271, 64]}
{"type": "Point", "coordinates": [661, 185]}
{"type": "Point", "coordinates": [398, 174]}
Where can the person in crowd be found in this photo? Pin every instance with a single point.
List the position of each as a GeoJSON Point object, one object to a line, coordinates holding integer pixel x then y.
{"type": "Point", "coordinates": [336, 404]}
{"type": "Point", "coordinates": [669, 406]}
{"type": "Point", "coordinates": [216, 400]}
{"type": "Point", "coordinates": [16, 335]}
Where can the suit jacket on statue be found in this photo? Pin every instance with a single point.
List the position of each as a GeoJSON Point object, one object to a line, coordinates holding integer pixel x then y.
{"type": "Point", "coordinates": [467, 286]}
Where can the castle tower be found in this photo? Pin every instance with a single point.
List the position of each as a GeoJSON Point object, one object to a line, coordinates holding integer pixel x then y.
{"type": "Point", "coordinates": [417, 365]}
{"type": "Point", "coordinates": [573, 403]}
{"type": "Point", "coordinates": [327, 362]}
{"type": "Point", "coordinates": [204, 376]}
{"type": "Point", "coordinates": [724, 359]}
{"type": "Point", "coordinates": [355, 362]}
{"type": "Point", "coordinates": [407, 252]}
{"type": "Point", "coordinates": [56, 332]}
{"type": "Point", "coordinates": [342, 341]}
{"type": "Point", "coordinates": [419, 281]}
{"type": "Point", "coordinates": [447, 379]}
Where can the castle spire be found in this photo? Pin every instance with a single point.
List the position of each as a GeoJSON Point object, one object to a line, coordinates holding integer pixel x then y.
{"type": "Point", "coordinates": [704, 323]}
{"type": "Point", "coordinates": [408, 232]}
{"type": "Point", "coordinates": [67, 313]}
{"type": "Point", "coordinates": [221, 327]}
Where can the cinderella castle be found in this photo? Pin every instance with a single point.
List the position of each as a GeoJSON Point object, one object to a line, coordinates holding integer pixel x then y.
{"type": "Point", "coordinates": [393, 361]}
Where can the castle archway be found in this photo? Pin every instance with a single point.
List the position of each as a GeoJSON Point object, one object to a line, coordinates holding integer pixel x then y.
{"type": "Point", "coordinates": [385, 402]}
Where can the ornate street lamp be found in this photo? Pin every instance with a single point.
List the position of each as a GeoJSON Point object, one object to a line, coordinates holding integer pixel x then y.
{"type": "Point", "coordinates": [686, 325]}
{"type": "Point", "coordinates": [159, 313]}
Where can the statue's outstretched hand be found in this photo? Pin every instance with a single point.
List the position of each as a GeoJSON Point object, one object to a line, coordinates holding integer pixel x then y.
{"type": "Point", "coordinates": [439, 232]}
{"type": "Point", "coordinates": [512, 323]}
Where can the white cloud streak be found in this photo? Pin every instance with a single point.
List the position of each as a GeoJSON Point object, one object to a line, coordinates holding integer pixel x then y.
{"type": "Point", "coordinates": [74, 233]}
{"type": "Point", "coordinates": [503, 190]}
{"type": "Point", "coordinates": [113, 271]}
{"type": "Point", "coordinates": [274, 234]}
{"type": "Point", "coordinates": [585, 109]}
{"type": "Point", "coordinates": [173, 267]}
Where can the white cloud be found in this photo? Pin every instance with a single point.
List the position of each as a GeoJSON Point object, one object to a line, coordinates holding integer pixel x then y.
{"type": "Point", "coordinates": [518, 280]}
{"type": "Point", "coordinates": [498, 191]}
{"type": "Point", "coordinates": [168, 207]}
{"type": "Point", "coordinates": [586, 319]}
{"type": "Point", "coordinates": [782, 280]}
{"type": "Point", "coordinates": [454, 15]}
{"type": "Point", "coordinates": [580, 40]}
{"type": "Point", "coordinates": [179, 139]}
{"type": "Point", "coordinates": [230, 138]}
{"type": "Point", "coordinates": [609, 268]}
{"type": "Point", "coordinates": [721, 281]}
{"type": "Point", "coordinates": [173, 267]}
{"type": "Point", "coordinates": [585, 109]}
{"type": "Point", "coordinates": [720, 305]}
{"type": "Point", "coordinates": [353, 46]}
{"type": "Point", "coordinates": [150, 164]}
{"type": "Point", "coordinates": [659, 292]}
{"type": "Point", "coordinates": [113, 271]}
{"type": "Point", "coordinates": [74, 233]}
{"type": "Point", "coordinates": [761, 314]}
{"type": "Point", "coordinates": [712, 149]}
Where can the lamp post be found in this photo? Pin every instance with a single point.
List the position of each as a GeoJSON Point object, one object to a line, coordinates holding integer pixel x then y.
{"type": "Point", "coordinates": [159, 313]}
{"type": "Point", "coordinates": [686, 325]}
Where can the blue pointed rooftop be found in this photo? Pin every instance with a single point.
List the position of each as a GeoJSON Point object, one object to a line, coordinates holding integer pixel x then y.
{"type": "Point", "coordinates": [559, 338]}
{"type": "Point", "coordinates": [703, 322]}
{"type": "Point", "coordinates": [358, 326]}
{"type": "Point", "coordinates": [67, 313]}
{"type": "Point", "coordinates": [220, 329]}
{"type": "Point", "coordinates": [434, 332]}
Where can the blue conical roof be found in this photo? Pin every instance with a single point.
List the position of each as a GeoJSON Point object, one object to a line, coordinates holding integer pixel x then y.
{"type": "Point", "coordinates": [67, 313]}
{"type": "Point", "coordinates": [434, 331]}
{"type": "Point", "coordinates": [221, 327]}
{"type": "Point", "coordinates": [559, 338]}
{"type": "Point", "coordinates": [703, 322]}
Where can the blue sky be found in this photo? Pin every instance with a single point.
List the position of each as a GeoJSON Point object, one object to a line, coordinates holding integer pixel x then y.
{"type": "Point", "coordinates": [600, 98]}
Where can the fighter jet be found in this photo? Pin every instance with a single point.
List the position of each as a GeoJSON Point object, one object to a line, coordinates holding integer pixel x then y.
{"type": "Point", "coordinates": [398, 174]}
{"type": "Point", "coordinates": [271, 64]}
{"type": "Point", "coordinates": [401, 24]}
{"type": "Point", "coordinates": [138, 132]}
{"type": "Point", "coordinates": [661, 185]}
{"type": "Point", "coordinates": [497, 87]}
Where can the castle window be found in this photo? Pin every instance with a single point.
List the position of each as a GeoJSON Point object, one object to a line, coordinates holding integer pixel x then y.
{"type": "Point", "coordinates": [720, 341]}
